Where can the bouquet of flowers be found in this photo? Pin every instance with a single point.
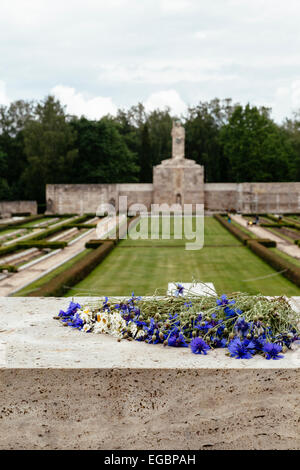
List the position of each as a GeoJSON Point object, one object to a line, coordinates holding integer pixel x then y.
{"type": "Point", "coordinates": [245, 325]}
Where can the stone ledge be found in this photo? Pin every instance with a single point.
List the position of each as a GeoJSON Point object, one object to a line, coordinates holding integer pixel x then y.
{"type": "Point", "coordinates": [63, 389]}
{"type": "Point", "coordinates": [34, 340]}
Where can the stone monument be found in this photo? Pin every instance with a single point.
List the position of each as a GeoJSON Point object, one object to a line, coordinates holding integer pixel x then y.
{"type": "Point", "coordinates": [178, 180]}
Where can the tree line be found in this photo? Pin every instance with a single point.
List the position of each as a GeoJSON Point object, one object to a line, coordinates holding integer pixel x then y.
{"type": "Point", "coordinates": [40, 143]}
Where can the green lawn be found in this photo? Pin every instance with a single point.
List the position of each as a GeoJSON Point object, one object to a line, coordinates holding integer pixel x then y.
{"type": "Point", "coordinates": [143, 266]}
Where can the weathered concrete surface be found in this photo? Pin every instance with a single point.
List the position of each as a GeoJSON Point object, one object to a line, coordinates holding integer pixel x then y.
{"type": "Point", "coordinates": [177, 180]}
{"type": "Point", "coordinates": [63, 389]}
{"type": "Point", "coordinates": [17, 207]}
{"type": "Point", "coordinates": [87, 198]}
{"type": "Point", "coordinates": [253, 197]}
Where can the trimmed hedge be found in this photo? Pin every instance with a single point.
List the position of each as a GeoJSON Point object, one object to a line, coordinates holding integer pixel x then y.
{"type": "Point", "coordinates": [42, 244]}
{"type": "Point", "coordinates": [291, 272]}
{"type": "Point", "coordinates": [81, 226]}
{"type": "Point", "coordinates": [60, 228]}
{"type": "Point", "coordinates": [4, 250]}
{"type": "Point", "coordinates": [60, 284]}
{"type": "Point", "coordinates": [264, 241]}
{"type": "Point", "coordinates": [119, 233]}
{"type": "Point", "coordinates": [31, 244]}
{"type": "Point", "coordinates": [20, 222]}
{"type": "Point", "coordinates": [21, 214]}
{"type": "Point", "coordinates": [232, 229]}
{"type": "Point", "coordinates": [243, 237]}
{"type": "Point", "coordinates": [283, 222]}
{"type": "Point", "coordinates": [40, 236]}
{"type": "Point", "coordinates": [95, 243]}
{"type": "Point", "coordinates": [9, 268]}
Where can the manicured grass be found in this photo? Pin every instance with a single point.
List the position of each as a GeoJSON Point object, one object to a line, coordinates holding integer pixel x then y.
{"type": "Point", "coordinates": [35, 222]}
{"type": "Point", "coordinates": [144, 266]}
{"type": "Point", "coordinates": [40, 282]}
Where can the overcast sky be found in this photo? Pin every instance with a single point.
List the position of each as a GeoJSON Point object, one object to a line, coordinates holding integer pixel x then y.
{"type": "Point", "coordinates": [97, 56]}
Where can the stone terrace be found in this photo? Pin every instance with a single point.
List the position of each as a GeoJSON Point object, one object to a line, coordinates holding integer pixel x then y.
{"type": "Point", "coordinates": [64, 389]}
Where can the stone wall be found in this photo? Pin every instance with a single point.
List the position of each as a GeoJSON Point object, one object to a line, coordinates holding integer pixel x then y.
{"type": "Point", "coordinates": [141, 193]}
{"type": "Point", "coordinates": [253, 197]}
{"type": "Point", "coordinates": [7, 208]}
{"type": "Point", "coordinates": [243, 197]}
{"type": "Point", "coordinates": [87, 198]}
{"type": "Point", "coordinates": [220, 197]}
{"type": "Point", "coordinates": [79, 198]}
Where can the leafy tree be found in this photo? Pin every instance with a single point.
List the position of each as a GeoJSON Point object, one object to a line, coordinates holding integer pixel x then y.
{"type": "Point", "coordinates": [203, 125]}
{"type": "Point", "coordinates": [160, 126]}
{"type": "Point", "coordinates": [291, 128]}
{"type": "Point", "coordinates": [103, 154]}
{"type": "Point", "coordinates": [255, 146]}
{"type": "Point", "coordinates": [12, 121]}
{"type": "Point", "coordinates": [5, 192]}
{"type": "Point", "coordinates": [49, 147]}
{"type": "Point", "coordinates": [145, 156]}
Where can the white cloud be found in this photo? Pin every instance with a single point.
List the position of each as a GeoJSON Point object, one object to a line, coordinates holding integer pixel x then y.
{"type": "Point", "coordinates": [174, 6]}
{"type": "Point", "coordinates": [168, 71]}
{"type": "Point", "coordinates": [130, 49]}
{"type": "Point", "coordinates": [3, 96]}
{"type": "Point", "coordinates": [286, 100]}
{"type": "Point", "coordinates": [163, 99]}
{"type": "Point", "coordinates": [295, 91]}
{"type": "Point", "coordinates": [79, 105]}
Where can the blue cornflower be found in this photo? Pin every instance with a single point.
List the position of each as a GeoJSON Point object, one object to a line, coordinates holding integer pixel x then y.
{"type": "Point", "coordinates": [259, 342]}
{"type": "Point", "coordinates": [139, 322]}
{"type": "Point", "coordinates": [199, 318]}
{"type": "Point", "coordinates": [272, 351]}
{"type": "Point", "coordinates": [177, 340]}
{"type": "Point", "coordinates": [218, 342]}
{"type": "Point", "coordinates": [71, 310]}
{"type": "Point", "coordinates": [287, 340]}
{"type": "Point", "coordinates": [198, 346]}
{"type": "Point", "coordinates": [150, 329]}
{"type": "Point", "coordinates": [221, 329]}
{"type": "Point", "coordinates": [174, 317]}
{"type": "Point", "coordinates": [242, 326]}
{"type": "Point", "coordinates": [133, 298]}
{"type": "Point", "coordinates": [224, 301]}
{"type": "Point", "coordinates": [179, 290]}
{"type": "Point", "coordinates": [241, 349]}
{"type": "Point", "coordinates": [188, 304]}
{"type": "Point", "coordinates": [76, 321]}
{"type": "Point", "coordinates": [174, 330]}
{"type": "Point", "coordinates": [230, 312]}
{"type": "Point", "coordinates": [204, 328]}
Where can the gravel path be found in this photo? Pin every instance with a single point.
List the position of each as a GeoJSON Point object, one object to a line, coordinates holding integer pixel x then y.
{"type": "Point", "coordinates": [282, 245]}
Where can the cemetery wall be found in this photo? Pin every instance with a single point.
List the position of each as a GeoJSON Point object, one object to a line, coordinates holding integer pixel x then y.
{"type": "Point", "coordinates": [218, 197]}
{"type": "Point", "coordinates": [7, 208]}
{"type": "Point", "coordinates": [253, 197]}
